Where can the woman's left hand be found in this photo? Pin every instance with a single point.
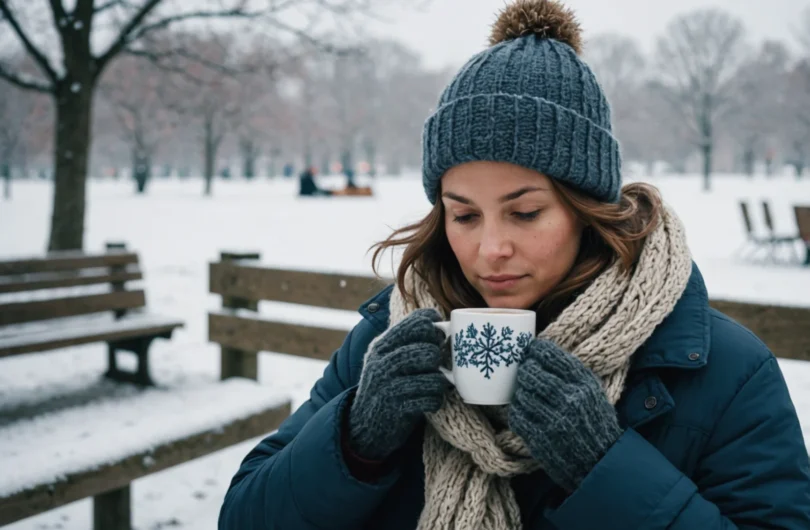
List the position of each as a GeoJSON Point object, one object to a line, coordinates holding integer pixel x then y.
{"type": "Point", "coordinates": [562, 413]}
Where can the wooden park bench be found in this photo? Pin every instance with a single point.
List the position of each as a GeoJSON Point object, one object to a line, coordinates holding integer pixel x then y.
{"type": "Point", "coordinates": [114, 314]}
{"type": "Point", "coordinates": [52, 454]}
{"type": "Point", "coordinates": [97, 450]}
{"type": "Point", "coordinates": [243, 331]}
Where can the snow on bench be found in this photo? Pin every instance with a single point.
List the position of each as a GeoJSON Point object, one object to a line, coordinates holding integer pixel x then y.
{"type": "Point", "coordinates": [67, 455]}
{"type": "Point", "coordinates": [63, 332]}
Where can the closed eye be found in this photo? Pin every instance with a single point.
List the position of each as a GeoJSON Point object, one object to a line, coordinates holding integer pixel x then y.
{"type": "Point", "coordinates": [463, 219]}
{"type": "Point", "coordinates": [527, 216]}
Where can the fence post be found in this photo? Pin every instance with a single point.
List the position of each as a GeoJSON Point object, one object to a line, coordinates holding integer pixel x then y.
{"type": "Point", "coordinates": [234, 362]}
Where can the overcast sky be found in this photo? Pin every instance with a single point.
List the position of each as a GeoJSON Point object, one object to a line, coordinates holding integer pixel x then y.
{"type": "Point", "coordinates": [448, 32]}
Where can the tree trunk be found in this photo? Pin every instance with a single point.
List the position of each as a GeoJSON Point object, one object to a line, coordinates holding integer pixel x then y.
{"type": "Point", "coordinates": [249, 154]}
{"type": "Point", "coordinates": [141, 169]}
{"type": "Point", "coordinates": [748, 160]}
{"type": "Point", "coordinates": [706, 151]}
{"type": "Point", "coordinates": [71, 151]}
{"type": "Point", "coordinates": [209, 166]}
{"type": "Point", "coordinates": [395, 168]}
{"type": "Point", "coordinates": [798, 158]}
{"type": "Point", "coordinates": [272, 163]}
{"type": "Point", "coordinates": [211, 146]}
{"type": "Point", "coordinates": [5, 173]}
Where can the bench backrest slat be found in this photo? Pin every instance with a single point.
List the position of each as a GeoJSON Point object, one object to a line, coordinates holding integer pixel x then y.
{"type": "Point", "coordinates": [21, 312]}
{"type": "Point", "coordinates": [256, 334]}
{"type": "Point", "coordinates": [67, 260]}
{"type": "Point", "coordinates": [72, 278]}
{"type": "Point", "coordinates": [253, 282]}
{"type": "Point", "coordinates": [803, 221]}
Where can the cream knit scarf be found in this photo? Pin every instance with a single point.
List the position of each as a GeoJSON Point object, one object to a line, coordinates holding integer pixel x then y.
{"type": "Point", "coordinates": [468, 461]}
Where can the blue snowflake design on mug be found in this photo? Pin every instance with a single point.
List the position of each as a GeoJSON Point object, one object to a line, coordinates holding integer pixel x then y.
{"type": "Point", "coordinates": [487, 349]}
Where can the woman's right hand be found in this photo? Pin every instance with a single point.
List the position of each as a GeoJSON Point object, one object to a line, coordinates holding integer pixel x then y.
{"type": "Point", "coordinates": [400, 383]}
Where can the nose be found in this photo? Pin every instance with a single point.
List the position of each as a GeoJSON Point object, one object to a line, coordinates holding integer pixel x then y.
{"type": "Point", "coordinates": [495, 243]}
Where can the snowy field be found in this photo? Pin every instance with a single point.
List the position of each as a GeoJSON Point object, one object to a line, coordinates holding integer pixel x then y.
{"type": "Point", "coordinates": [178, 232]}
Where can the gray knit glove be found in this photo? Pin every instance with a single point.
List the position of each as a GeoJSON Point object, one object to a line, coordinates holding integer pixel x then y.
{"type": "Point", "coordinates": [401, 381]}
{"type": "Point", "coordinates": [562, 413]}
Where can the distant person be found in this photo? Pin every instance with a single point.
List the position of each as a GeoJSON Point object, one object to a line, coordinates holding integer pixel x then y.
{"type": "Point", "coordinates": [307, 185]}
{"type": "Point", "coordinates": [637, 405]}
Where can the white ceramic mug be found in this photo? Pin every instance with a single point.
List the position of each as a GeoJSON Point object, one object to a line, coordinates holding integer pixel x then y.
{"type": "Point", "coordinates": [487, 346]}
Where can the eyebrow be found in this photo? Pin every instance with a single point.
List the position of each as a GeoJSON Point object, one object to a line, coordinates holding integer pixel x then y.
{"type": "Point", "coordinates": [506, 198]}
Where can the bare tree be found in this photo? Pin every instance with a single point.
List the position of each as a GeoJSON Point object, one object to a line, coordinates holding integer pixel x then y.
{"type": "Point", "coordinates": [620, 67]}
{"type": "Point", "coordinates": [133, 88]}
{"type": "Point", "coordinates": [656, 133]}
{"type": "Point", "coordinates": [72, 76]}
{"type": "Point", "coordinates": [407, 91]}
{"type": "Point", "coordinates": [20, 112]}
{"type": "Point", "coordinates": [207, 96]}
{"type": "Point", "coordinates": [796, 129]}
{"type": "Point", "coordinates": [759, 89]}
{"type": "Point", "coordinates": [697, 59]}
{"type": "Point", "coordinates": [259, 114]}
{"type": "Point", "coordinates": [13, 112]}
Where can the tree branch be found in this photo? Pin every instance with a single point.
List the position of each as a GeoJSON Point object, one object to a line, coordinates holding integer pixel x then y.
{"type": "Point", "coordinates": [156, 57]}
{"type": "Point", "coordinates": [133, 30]}
{"type": "Point", "coordinates": [32, 50]}
{"type": "Point", "coordinates": [26, 84]}
{"type": "Point", "coordinates": [107, 5]}
{"type": "Point", "coordinates": [124, 36]}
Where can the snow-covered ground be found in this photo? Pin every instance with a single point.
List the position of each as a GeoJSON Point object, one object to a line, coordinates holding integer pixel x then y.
{"type": "Point", "coordinates": [178, 232]}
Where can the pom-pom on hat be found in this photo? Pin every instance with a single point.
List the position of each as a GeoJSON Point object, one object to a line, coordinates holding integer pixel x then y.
{"type": "Point", "coordinates": [528, 99]}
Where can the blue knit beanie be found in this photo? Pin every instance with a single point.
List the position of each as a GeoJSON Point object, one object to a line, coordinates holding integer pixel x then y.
{"type": "Point", "coordinates": [530, 100]}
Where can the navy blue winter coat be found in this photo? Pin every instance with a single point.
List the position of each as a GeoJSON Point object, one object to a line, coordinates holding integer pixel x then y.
{"type": "Point", "coordinates": [712, 442]}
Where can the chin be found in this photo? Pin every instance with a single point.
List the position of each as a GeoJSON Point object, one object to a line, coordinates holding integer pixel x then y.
{"type": "Point", "coordinates": [508, 301]}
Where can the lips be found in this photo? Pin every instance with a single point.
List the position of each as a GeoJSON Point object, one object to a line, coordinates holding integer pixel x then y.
{"type": "Point", "coordinates": [502, 277]}
{"type": "Point", "coordinates": [502, 281]}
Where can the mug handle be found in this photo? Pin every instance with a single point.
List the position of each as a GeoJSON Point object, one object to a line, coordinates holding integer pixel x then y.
{"type": "Point", "coordinates": [448, 375]}
{"type": "Point", "coordinates": [445, 327]}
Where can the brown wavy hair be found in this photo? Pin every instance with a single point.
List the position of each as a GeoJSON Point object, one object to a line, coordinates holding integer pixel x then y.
{"type": "Point", "coordinates": [612, 232]}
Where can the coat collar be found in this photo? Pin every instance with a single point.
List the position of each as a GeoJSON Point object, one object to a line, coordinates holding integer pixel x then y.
{"type": "Point", "coordinates": [682, 340]}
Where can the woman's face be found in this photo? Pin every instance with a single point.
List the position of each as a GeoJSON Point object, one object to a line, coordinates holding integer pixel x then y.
{"type": "Point", "coordinates": [512, 235]}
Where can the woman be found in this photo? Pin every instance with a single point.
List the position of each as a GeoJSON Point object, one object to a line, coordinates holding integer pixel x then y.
{"type": "Point", "coordinates": [637, 406]}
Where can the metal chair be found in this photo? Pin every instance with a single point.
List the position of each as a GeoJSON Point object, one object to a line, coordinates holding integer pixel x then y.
{"type": "Point", "coordinates": [754, 243]}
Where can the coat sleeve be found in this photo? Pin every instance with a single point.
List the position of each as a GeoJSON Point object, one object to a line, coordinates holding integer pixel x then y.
{"type": "Point", "coordinates": [297, 477]}
{"type": "Point", "coordinates": [753, 475]}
